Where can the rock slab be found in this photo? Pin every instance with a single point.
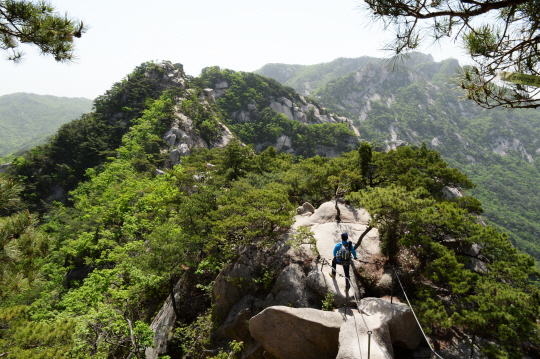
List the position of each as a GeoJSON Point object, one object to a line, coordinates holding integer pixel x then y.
{"type": "Point", "coordinates": [354, 339]}
{"type": "Point", "coordinates": [402, 325]}
{"type": "Point", "coordinates": [297, 332]}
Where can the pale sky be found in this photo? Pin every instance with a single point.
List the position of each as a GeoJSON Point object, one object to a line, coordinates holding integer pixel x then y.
{"type": "Point", "coordinates": [242, 35]}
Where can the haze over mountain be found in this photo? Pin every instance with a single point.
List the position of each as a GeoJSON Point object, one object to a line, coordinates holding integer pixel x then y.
{"type": "Point", "coordinates": [26, 120]}
{"type": "Point", "coordinates": [499, 150]}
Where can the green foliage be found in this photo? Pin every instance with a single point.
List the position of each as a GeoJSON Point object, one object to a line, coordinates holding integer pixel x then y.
{"type": "Point", "coordinates": [193, 338]}
{"type": "Point", "coordinates": [130, 238]}
{"type": "Point", "coordinates": [26, 120]}
{"type": "Point", "coordinates": [55, 168]}
{"type": "Point", "coordinates": [244, 87]}
{"type": "Point", "coordinates": [266, 279]}
{"type": "Point", "coordinates": [304, 235]}
{"type": "Point", "coordinates": [205, 118]}
{"type": "Point", "coordinates": [22, 247]}
{"type": "Point", "coordinates": [9, 195]}
{"type": "Point", "coordinates": [389, 208]}
{"type": "Point", "coordinates": [268, 125]}
{"type": "Point", "coordinates": [328, 302]}
{"type": "Point", "coordinates": [39, 25]}
{"type": "Point", "coordinates": [23, 338]}
{"type": "Point", "coordinates": [249, 215]}
{"type": "Point", "coordinates": [235, 348]}
{"type": "Point", "coordinates": [265, 124]}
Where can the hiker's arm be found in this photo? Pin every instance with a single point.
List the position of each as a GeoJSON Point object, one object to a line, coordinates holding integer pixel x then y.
{"type": "Point", "coordinates": [336, 248]}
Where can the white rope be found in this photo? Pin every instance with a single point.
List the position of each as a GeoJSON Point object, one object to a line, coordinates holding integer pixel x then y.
{"type": "Point", "coordinates": [364, 320]}
{"type": "Point", "coordinates": [412, 310]}
{"type": "Point", "coordinates": [355, 325]}
{"type": "Point", "coordinates": [409, 303]}
{"type": "Point", "coordinates": [359, 311]}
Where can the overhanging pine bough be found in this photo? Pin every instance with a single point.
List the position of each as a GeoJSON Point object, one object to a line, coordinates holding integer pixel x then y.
{"type": "Point", "coordinates": [498, 35]}
{"type": "Point", "coordinates": [22, 21]}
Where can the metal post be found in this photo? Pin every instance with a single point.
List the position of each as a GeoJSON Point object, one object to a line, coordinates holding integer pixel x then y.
{"type": "Point", "coordinates": [369, 344]}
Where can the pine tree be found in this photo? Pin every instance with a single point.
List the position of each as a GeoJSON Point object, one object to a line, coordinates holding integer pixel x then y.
{"type": "Point", "coordinates": [22, 21]}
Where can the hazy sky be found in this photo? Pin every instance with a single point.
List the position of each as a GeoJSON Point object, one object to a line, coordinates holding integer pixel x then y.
{"type": "Point", "coordinates": [242, 35]}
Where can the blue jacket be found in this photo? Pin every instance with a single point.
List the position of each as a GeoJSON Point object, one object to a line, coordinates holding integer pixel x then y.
{"type": "Point", "coordinates": [338, 247]}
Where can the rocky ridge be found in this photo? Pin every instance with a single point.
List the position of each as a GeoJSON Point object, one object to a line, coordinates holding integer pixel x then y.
{"type": "Point", "coordinates": [183, 136]}
{"type": "Point", "coordinates": [300, 110]}
{"type": "Point", "coordinates": [368, 93]}
{"type": "Point", "coordinates": [285, 320]}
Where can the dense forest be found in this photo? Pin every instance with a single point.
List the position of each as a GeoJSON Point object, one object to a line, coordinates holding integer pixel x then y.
{"type": "Point", "coordinates": [94, 239]}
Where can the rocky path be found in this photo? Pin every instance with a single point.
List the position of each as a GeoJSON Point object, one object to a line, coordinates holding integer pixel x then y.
{"type": "Point", "coordinates": [327, 231]}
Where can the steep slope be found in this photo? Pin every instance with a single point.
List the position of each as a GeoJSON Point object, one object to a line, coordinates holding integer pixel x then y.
{"type": "Point", "coordinates": [417, 103]}
{"type": "Point", "coordinates": [26, 120]}
{"type": "Point", "coordinates": [265, 113]}
{"type": "Point", "coordinates": [51, 170]}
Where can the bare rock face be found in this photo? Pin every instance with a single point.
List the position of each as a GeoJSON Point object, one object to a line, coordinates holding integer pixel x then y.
{"type": "Point", "coordinates": [254, 350]}
{"type": "Point", "coordinates": [321, 282]}
{"type": "Point", "coordinates": [239, 279]}
{"type": "Point", "coordinates": [297, 332]}
{"type": "Point", "coordinates": [308, 207]}
{"type": "Point", "coordinates": [353, 338]}
{"type": "Point", "coordinates": [4, 167]}
{"type": "Point", "coordinates": [305, 208]}
{"type": "Point", "coordinates": [290, 289]}
{"type": "Point", "coordinates": [162, 326]}
{"type": "Point", "coordinates": [283, 143]}
{"type": "Point", "coordinates": [236, 325]}
{"type": "Point", "coordinates": [183, 138]}
{"type": "Point", "coordinates": [219, 88]}
{"type": "Point", "coordinates": [403, 327]}
{"type": "Point", "coordinates": [169, 76]}
{"type": "Point", "coordinates": [384, 283]}
{"type": "Point", "coordinates": [231, 283]}
{"type": "Point", "coordinates": [174, 157]}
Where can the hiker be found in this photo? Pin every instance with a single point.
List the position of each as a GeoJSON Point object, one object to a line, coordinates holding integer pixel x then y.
{"type": "Point", "coordinates": [342, 255]}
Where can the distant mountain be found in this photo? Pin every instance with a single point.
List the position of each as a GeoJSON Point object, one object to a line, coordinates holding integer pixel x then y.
{"type": "Point", "coordinates": [498, 150]}
{"type": "Point", "coordinates": [307, 78]}
{"type": "Point", "coordinates": [26, 120]}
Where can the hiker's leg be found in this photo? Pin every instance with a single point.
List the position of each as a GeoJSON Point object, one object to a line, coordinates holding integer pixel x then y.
{"type": "Point", "coordinates": [334, 263]}
{"type": "Point", "coordinates": [346, 270]}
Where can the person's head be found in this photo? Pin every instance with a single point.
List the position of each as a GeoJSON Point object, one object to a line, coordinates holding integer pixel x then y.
{"type": "Point", "coordinates": [344, 236]}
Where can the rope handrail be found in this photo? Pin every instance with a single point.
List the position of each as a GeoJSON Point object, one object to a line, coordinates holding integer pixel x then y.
{"type": "Point", "coordinates": [355, 325]}
{"type": "Point", "coordinates": [359, 311]}
{"type": "Point", "coordinates": [408, 302]}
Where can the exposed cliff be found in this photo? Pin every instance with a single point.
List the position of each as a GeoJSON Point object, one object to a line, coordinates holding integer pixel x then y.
{"type": "Point", "coordinates": [252, 105]}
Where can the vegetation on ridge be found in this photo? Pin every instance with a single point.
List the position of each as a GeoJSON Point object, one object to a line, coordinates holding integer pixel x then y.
{"type": "Point", "coordinates": [265, 124]}
{"type": "Point", "coordinates": [96, 272]}
{"type": "Point", "coordinates": [419, 105]}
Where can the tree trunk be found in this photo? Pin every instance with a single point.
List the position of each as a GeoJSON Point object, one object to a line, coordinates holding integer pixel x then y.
{"type": "Point", "coordinates": [362, 237]}
{"type": "Point", "coordinates": [338, 216]}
